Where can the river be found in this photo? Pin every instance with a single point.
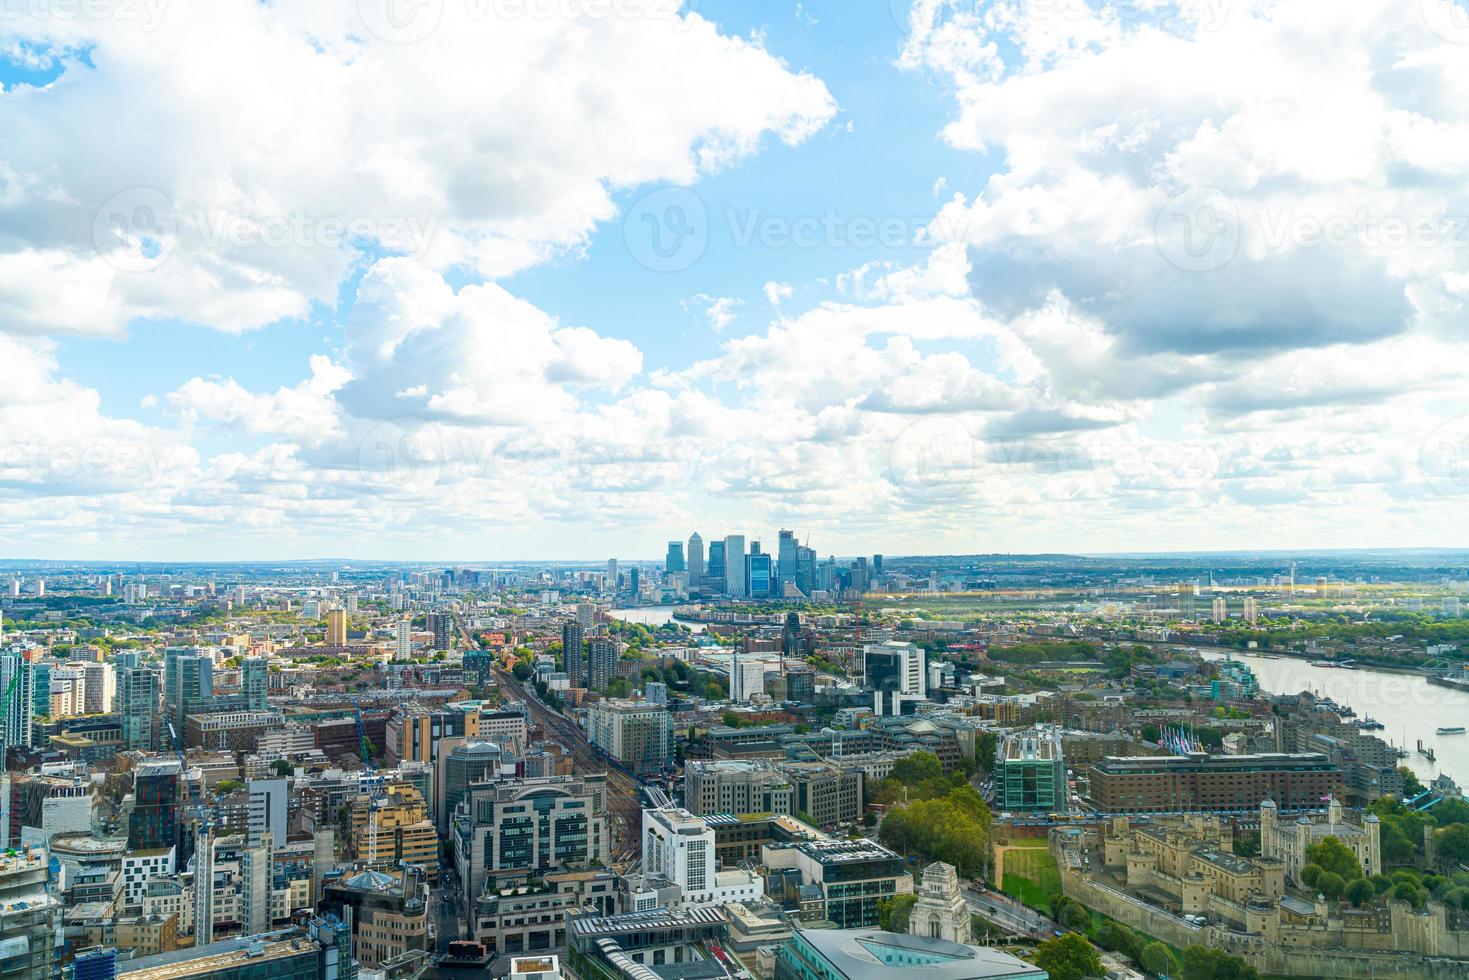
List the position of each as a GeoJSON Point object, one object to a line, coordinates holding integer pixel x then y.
{"type": "Point", "coordinates": [1407, 704]}
{"type": "Point", "coordinates": [651, 616]}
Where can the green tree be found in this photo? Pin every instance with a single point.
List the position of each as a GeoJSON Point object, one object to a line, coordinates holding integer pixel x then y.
{"type": "Point", "coordinates": [1360, 892]}
{"type": "Point", "coordinates": [1115, 937]}
{"type": "Point", "coordinates": [893, 913]}
{"type": "Point", "coordinates": [1334, 856]}
{"type": "Point", "coordinates": [1075, 916]}
{"type": "Point", "coordinates": [521, 671]}
{"type": "Point", "coordinates": [1310, 873]}
{"type": "Point", "coordinates": [1068, 957]}
{"type": "Point", "coordinates": [1332, 885]}
{"type": "Point", "coordinates": [281, 767]}
{"type": "Point", "coordinates": [1159, 960]}
{"type": "Point", "coordinates": [1452, 843]}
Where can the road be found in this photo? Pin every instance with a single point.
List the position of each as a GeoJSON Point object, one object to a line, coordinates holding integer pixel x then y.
{"type": "Point", "coordinates": [624, 802]}
{"type": "Point", "coordinates": [444, 902]}
{"type": "Point", "coordinates": [1007, 913]}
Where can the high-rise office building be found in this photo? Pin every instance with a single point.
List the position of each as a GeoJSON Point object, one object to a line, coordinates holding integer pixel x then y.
{"type": "Point", "coordinates": [713, 581]}
{"type": "Point", "coordinates": [896, 673]}
{"type": "Point", "coordinates": [611, 574]}
{"type": "Point", "coordinates": [696, 560]}
{"type": "Point", "coordinates": [1030, 773]}
{"type": "Point", "coordinates": [786, 558]}
{"type": "Point", "coordinates": [806, 569]}
{"type": "Point", "coordinates": [255, 867]}
{"type": "Point", "coordinates": [675, 560]}
{"type": "Point", "coordinates": [336, 627]}
{"type": "Point", "coordinates": [734, 565]}
{"type": "Point", "coordinates": [760, 578]}
{"type": "Point", "coordinates": [573, 654]}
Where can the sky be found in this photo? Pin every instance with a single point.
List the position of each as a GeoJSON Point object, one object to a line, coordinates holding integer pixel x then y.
{"type": "Point", "coordinates": [521, 279]}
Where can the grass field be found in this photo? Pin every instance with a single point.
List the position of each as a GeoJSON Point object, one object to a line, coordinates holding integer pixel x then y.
{"type": "Point", "coordinates": [1031, 876]}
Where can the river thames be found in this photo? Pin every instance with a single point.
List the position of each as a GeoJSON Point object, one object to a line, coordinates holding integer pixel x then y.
{"type": "Point", "coordinates": [1408, 706]}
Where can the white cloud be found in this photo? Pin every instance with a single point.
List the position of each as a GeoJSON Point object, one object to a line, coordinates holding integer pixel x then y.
{"type": "Point", "coordinates": [778, 292]}
{"type": "Point", "coordinates": [149, 180]}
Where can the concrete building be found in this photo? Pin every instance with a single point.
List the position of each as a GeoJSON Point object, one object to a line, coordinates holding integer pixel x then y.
{"type": "Point", "coordinates": [635, 733]}
{"type": "Point", "coordinates": [267, 811]}
{"type": "Point", "coordinates": [528, 827]}
{"type": "Point", "coordinates": [388, 912]}
{"type": "Point", "coordinates": [679, 852]}
{"type": "Point", "coordinates": [30, 916]}
{"type": "Point", "coordinates": [737, 787]}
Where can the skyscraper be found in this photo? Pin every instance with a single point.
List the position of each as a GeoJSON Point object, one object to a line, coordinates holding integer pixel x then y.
{"type": "Point", "coordinates": [759, 576]}
{"type": "Point", "coordinates": [137, 706]}
{"type": "Point", "coordinates": [785, 555]}
{"type": "Point", "coordinates": [675, 560]}
{"type": "Point", "coordinates": [696, 560]}
{"type": "Point", "coordinates": [336, 628]}
{"type": "Point", "coordinates": [266, 816]}
{"type": "Point", "coordinates": [573, 657]}
{"type": "Point", "coordinates": [441, 625]}
{"type": "Point", "coordinates": [714, 567]}
{"type": "Point", "coordinates": [403, 640]}
{"type": "Point", "coordinates": [611, 574]}
{"type": "Point", "coordinates": [734, 565]}
{"type": "Point", "coordinates": [601, 662]}
{"type": "Point", "coordinates": [153, 822]}
{"type": "Point", "coordinates": [255, 683]}
{"type": "Point", "coordinates": [188, 683]}
{"type": "Point", "coordinates": [16, 681]}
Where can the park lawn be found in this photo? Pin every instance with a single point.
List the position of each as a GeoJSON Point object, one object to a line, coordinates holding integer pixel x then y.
{"type": "Point", "coordinates": [1031, 876]}
{"type": "Point", "coordinates": [1028, 842]}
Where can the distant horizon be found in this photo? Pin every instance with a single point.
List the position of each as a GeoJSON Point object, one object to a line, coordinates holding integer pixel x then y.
{"type": "Point", "coordinates": [6, 563]}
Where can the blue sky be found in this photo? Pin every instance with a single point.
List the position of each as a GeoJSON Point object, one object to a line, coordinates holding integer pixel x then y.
{"type": "Point", "coordinates": [1050, 365]}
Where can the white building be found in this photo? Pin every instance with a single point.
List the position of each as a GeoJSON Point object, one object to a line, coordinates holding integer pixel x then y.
{"type": "Point", "coordinates": [746, 677]}
{"type": "Point", "coordinates": [267, 811]}
{"type": "Point", "coordinates": [138, 867]}
{"type": "Point", "coordinates": [403, 640]}
{"type": "Point", "coordinates": [678, 849]}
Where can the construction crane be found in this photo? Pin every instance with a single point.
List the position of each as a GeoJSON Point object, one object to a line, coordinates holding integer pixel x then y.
{"type": "Point", "coordinates": [374, 783]}
{"type": "Point", "coordinates": [203, 852]}
{"type": "Point", "coordinates": [5, 747]}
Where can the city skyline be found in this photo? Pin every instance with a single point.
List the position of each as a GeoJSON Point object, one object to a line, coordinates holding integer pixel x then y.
{"type": "Point", "coordinates": [892, 272]}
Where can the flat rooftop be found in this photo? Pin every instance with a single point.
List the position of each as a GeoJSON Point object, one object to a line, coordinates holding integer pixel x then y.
{"type": "Point", "coordinates": [216, 957]}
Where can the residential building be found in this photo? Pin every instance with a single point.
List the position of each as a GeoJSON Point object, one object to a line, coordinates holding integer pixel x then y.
{"type": "Point", "coordinates": [573, 654]}
{"type": "Point", "coordinates": [635, 733]}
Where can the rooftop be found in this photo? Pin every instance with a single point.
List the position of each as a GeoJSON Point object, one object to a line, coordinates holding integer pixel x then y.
{"type": "Point", "coordinates": [871, 954]}
{"type": "Point", "coordinates": [222, 955]}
